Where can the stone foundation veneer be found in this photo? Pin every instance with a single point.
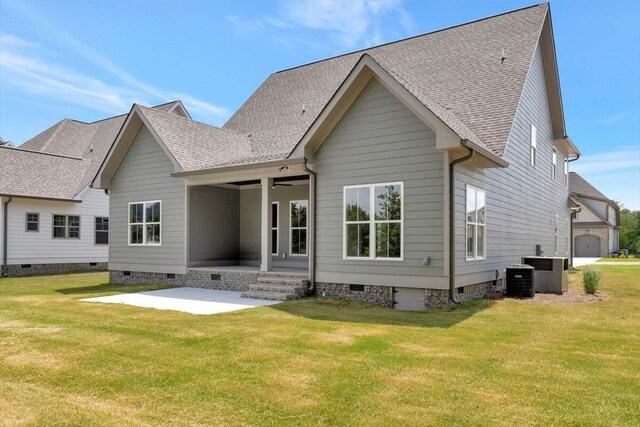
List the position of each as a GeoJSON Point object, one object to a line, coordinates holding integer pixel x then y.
{"type": "Point", "coordinates": [239, 281]}
{"type": "Point", "coordinates": [226, 280]}
{"type": "Point", "coordinates": [383, 295]}
{"type": "Point", "coordinates": [42, 269]}
{"type": "Point", "coordinates": [378, 295]}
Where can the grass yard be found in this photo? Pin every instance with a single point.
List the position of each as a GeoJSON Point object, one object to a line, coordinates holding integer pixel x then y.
{"type": "Point", "coordinates": [316, 362]}
{"type": "Point", "coordinates": [619, 260]}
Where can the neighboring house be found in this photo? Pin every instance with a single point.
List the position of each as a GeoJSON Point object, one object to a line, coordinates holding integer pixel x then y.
{"type": "Point", "coordinates": [4, 143]}
{"type": "Point", "coordinates": [596, 222]}
{"type": "Point", "coordinates": [407, 174]}
{"type": "Point", "coordinates": [50, 220]}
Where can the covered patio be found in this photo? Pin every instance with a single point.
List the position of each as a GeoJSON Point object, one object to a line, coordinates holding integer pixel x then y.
{"type": "Point", "coordinates": [245, 222]}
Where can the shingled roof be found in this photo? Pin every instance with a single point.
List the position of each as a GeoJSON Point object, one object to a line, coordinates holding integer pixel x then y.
{"type": "Point", "coordinates": [459, 70]}
{"type": "Point", "coordinates": [580, 186]}
{"type": "Point", "coordinates": [65, 156]}
{"type": "Point", "coordinates": [196, 145]}
{"type": "Point", "coordinates": [40, 175]}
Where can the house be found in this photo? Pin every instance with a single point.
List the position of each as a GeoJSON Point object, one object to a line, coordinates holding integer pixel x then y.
{"type": "Point", "coordinates": [7, 144]}
{"type": "Point", "coordinates": [51, 221]}
{"type": "Point", "coordinates": [596, 220]}
{"type": "Point", "coordinates": [409, 174]}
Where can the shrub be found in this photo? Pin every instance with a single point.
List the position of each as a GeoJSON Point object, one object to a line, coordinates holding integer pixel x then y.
{"type": "Point", "coordinates": [591, 280]}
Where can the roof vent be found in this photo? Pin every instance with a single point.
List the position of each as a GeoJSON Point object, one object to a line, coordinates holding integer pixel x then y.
{"type": "Point", "coordinates": [91, 148]}
{"type": "Point", "coordinates": [303, 109]}
{"type": "Point", "coordinates": [503, 58]}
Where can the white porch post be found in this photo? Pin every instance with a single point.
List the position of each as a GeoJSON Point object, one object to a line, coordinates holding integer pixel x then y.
{"type": "Point", "coordinates": [267, 213]}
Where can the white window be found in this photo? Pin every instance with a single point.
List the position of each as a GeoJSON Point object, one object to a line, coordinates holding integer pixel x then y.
{"type": "Point", "coordinates": [556, 226]}
{"type": "Point", "coordinates": [567, 237]}
{"type": "Point", "coordinates": [298, 227]}
{"type": "Point", "coordinates": [566, 173]}
{"type": "Point", "coordinates": [534, 145]}
{"type": "Point", "coordinates": [32, 222]}
{"type": "Point", "coordinates": [101, 231]}
{"type": "Point", "coordinates": [476, 224]}
{"type": "Point", "coordinates": [275, 208]}
{"type": "Point", "coordinates": [554, 166]}
{"type": "Point", "coordinates": [373, 222]}
{"type": "Point", "coordinates": [66, 226]}
{"type": "Point", "coordinates": [145, 219]}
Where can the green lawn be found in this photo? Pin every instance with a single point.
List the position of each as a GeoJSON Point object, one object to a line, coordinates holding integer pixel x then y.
{"type": "Point", "coordinates": [619, 260]}
{"type": "Point", "coordinates": [316, 362]}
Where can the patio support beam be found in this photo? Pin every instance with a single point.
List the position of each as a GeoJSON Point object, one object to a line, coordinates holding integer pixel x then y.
{"type": "Point", "coordinates": [266, 263]}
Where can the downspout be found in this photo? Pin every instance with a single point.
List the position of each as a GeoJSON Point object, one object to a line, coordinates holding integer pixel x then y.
{"type": "Point", "coordinates": [312, 226]}
{"type": "Point", "coordinates": [452, 228]}
{"type": "Point", "coordinates": [571, 218]}
{"type": "Point", "coordinates": [5, 238]}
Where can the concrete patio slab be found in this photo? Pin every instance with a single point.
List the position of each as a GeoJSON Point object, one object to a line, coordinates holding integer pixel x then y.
{"type": "Point", "coordinates": [580, 261]}
{"type": "Point", "coordinates": [188, 300]}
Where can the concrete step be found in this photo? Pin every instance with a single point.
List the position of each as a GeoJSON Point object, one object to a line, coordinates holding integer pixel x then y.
{"type": "Point", "coordinates": [282, 289]}
{"type": "Point", "coordinates": [283, 280]}
{"type": "Point", "coordinates": [271, 296]}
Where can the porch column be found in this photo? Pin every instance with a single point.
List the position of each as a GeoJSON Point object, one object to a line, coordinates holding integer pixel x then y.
{"type": "Point", "coordinates": [267, 213]}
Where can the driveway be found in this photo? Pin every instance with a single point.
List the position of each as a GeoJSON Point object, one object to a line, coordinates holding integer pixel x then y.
{"type": "Point", "coordinates": [188, 300]}
{"type": "Point", "coordinates": [580, 261]}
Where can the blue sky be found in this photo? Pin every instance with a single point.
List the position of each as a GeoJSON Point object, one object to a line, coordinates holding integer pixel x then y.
{"type": "Point", "coordinates": [92, 59]}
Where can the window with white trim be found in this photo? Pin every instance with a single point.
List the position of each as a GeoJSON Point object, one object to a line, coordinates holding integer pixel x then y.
{"type": "Point", "coordinates": [373, 221]}
{"type": "Point", "coordinates": [554, 165]}
{"type": "Point", "coordinates": [556, 226]}
{"type": "Point", "coordinates": [66, 226]}
{"type": "Point", "coordinates": [534, 145]}
{"type": "Point", "coordinates": [145, 219]}
{"type": "Point", "coordinates": [101, 231]}
{"type": "Point", "coordinates": [32, 222]}
{"type": "Point", "coordinates": [567, 236]}
{"type": "Point", "coordinates": [298, 227]}
{"type": "Point", "coordinates": [275, 208]}
{"type": "Point", "coordinates": [476, 228]}
{"type": "Point", "coordinates": [566, 173]}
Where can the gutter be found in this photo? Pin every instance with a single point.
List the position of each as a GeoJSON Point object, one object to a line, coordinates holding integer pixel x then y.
{"type": "Point", "coordinates": [20, 196]}
{"type": "Point", "coordinates": [483, 152]}
{"type": "Point", "coordinates": [452, 215]}
{"type": "Point", "coordinates": [5, 238]}
{"type": "Point", "coordinates": [312, 225]}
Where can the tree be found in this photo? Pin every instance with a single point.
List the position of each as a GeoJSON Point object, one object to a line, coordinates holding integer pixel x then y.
{"type": "Point", "coordinates": [630, 229]}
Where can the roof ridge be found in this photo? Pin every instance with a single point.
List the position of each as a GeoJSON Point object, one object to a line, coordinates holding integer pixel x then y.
{"type": "Point", "coordinates": [363, 50]}
{"type": "Point", "coordinates": [126, 114]}
{"type": "Point", "coordinates": [194, 121]}
{"type": "Point", "coordinates": [45, 153]}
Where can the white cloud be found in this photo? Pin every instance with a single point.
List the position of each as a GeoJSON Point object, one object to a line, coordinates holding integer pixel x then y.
{"type": "Point", "coordinates": [611, 161]}
{"type": "Point", "coordinates": [616, 174]}
{"type": "Point", "coordinates": [27, 67]}
{"type": "Point", "coordinates": [613, 119]}
{"type": "Point", "coordinates": [27, 73]}
{"type": "Point", "coordinates": [354, 23]}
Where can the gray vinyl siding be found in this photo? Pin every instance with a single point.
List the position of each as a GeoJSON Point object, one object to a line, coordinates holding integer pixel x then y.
{"type": "Point", "coordinates": [379, 140]}
{"type": "Point", "coordinates": [250, 210]}
{"type": "Point", "coordinates": [214, 224]}
{"type": "Point", "coordinates": [144, 175]}
{"type": "Point", "coordinates": [521, 199]}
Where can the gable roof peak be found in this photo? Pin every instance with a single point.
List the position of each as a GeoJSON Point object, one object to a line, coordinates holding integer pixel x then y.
{"type": "Point", "coordinates": [456, 71]}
